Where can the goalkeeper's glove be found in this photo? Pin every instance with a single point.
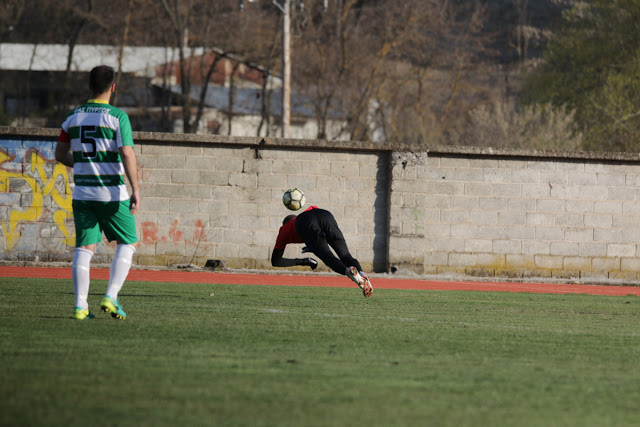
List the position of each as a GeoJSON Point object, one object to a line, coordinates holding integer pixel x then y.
{"type": "Point", "coordinates": [308, 262]}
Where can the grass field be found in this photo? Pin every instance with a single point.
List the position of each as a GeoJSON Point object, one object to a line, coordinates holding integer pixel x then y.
{"type": "Point", "coordinates": [241, 355]}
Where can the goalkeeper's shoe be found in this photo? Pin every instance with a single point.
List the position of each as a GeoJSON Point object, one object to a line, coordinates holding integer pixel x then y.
{"type": "Point", "coordinates": [362, 282]}
{"type": "Point", "coordinates": [113, 306]}
{"type": "Point", "coordinates": [367, 288]}
{"type": "Point", "coordinates": [80, 314]}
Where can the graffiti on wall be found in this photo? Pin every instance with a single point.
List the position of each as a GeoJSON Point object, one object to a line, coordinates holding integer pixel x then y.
{"type": "Point", "coordinates": [26, 181]}
{"type": "Point", "coordinates": [36, 197]}
{"type": "Point", "coordinates": [150, 231]}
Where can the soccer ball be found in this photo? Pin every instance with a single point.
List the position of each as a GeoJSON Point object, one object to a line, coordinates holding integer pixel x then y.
{"type": "Point", "coordinates": [293, 199]}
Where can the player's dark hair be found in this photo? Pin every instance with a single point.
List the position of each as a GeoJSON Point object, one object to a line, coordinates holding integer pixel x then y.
{"type": "Point", "coordinates": [101, 78]}
{"type": "Point", "coordinates": [287, 219]}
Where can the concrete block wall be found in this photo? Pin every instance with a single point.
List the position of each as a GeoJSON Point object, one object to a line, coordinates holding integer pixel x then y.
{"type": "Point", "coordinates": [441, 210]}
{"type": "Point", "coordinates": [202, 199]}
{"type": "Point", "coordinates": [210, 201]}
{"type": "Point", "coordinates": [516, 216]}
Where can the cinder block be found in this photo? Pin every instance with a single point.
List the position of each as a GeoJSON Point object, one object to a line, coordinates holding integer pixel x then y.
{"type": "Point", "coordinates": [536, 190]}
{"type": "Point", "coordinates": [243, 180]}
{"type": "Point", "coordinates": [478, 245]}
{"type": "Point", "coordinates": [550, 233]}
{"type": "Point", "coordinates": [578, 234]}
{"type": "Point", "coordinates": [550, 262]}
{"type": "Point", "coordinates": [565, 192]}
{"type": "Point", "coordinates": [454, 162]}
{"type": "Point", "coordinates": [227, 251]}
{"type": "Point", "coordinates": [506, 190]}
{"type": "Point", "coordinates": [259, 166]}
{"type": "Point", "coordinates": [479, 189]}
{"type": "Point", "coordinates": [483, 217]}
{"type": "Point", "coordinates": [593, 192]}
{"type": "Point", "coordinates": [170, 248]}
{"type": "Point", "coordinates": [626, 221]}
{"type": "Point", "coordinates": [632, 208]}
{"type": "Point", "coordinates": [334, 182]}
{"type": "Point", "coordinates": [576, 263]}
{"type": "Point", "coordinates": [582, 178]}
{"type": "Point", "coordinates": [490, 260]}
{"type": "Point", "coordinates": [525, 176]}
{"type": "Point", "coordinates": [512, 218]}
{"type": "Point", "coordinates": [612, 179]}
{"type": "Point", "coordinates": [554, 177]}
{"type": "Point", "coordinates": [492, 232]}
{"type": "Point", "coordinates": [181, 176]}
{"type": "Point", "coordinates": [456, 216]}
{"type": "Point", "coordinates": [464, 230]}
{"type": "Point", "coordinates": [521, 232]}
{"type": "Point", "coordinates": [607, 207]}
{"type": "Point", "coordinates": [157, 176]}
{"type": "Point", "coordinates": [592, 249]}
{"type": "Point", "coordinates": [464, 202]}
{"type": "Point", "coordinates": [550, 205]}
{"type": "Point", "coordinates": [544, 219]}
{"type": "Point", "coordinates": [564, 248]}
{"type": "Point", "coordinates": [519, 262]}
{"type": "Point", "coordinates": [624, 275]}
{"type": "Point", "coordinates": [507, 247]}
{"type": "Point", "coordinates": [621, 250]}
{"type": "Point", "coordinates": [228, 164]}
{"type": "Point", "coordinates": [535, 247]}
{"type": "Point", "coordinates": [606, 264]}
{"type": "Point", "coordinates": [594, 275]}
{"type": "Point", "coordinates": [493, 203]}
{"type": "Point", "coordinates": [253, 252]}
{"type": "Point", "coordinates": [598, 220]}
{"type": "Point", "coordinates": [497, 175]}
{"type": "Point", "coordinates": [173, 162]}
{"type": "Point", "coordinates": [630, 264]}
{"type": "Point", "coordinates": [482, 162]}
{"type": "Point", "coordinates": [521, 205]}
{"type": "Point", "coordinates": [468, 174]}
{"type": "Point", "coordinates": [450, 245]}
{"type": "Point", "coordinates": [154, 149]}
{"type": "Point", "coordinates": [462, 260]}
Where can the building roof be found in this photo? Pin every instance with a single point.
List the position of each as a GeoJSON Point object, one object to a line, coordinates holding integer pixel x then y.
{"type": "Point", "coordinates": [249, 101]}
{"type": "Point", "coordinates": [53, 57]}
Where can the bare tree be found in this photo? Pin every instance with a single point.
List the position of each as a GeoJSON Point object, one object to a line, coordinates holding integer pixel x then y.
{"type": "Point", "coordinates": [397, 69]}
{"type": "Point", "coordinates": [123, 44]}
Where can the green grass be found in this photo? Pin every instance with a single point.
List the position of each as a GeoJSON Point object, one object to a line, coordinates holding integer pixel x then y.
{"type": "Point", "coordinates": [287, 356]}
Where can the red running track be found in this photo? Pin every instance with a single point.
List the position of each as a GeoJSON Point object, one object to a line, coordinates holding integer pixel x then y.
{"type": "Point", "coordinates": [321, 280]}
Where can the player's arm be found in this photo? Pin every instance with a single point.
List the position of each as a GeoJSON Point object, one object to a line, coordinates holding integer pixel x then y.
{"type": "Point", "coordinates": [63, 149]}
{"type": "Point", "coordinates": [277, 260]}
{"type": "Point", "coordinates": [130, 163]}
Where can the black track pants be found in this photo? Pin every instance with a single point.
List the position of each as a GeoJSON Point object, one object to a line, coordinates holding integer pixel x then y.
{"type": "Point", "coordinates": [319, 230]}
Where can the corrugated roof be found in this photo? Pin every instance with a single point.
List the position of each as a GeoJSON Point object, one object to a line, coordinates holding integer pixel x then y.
{"type": "Point", "coordinates": [53, 57]}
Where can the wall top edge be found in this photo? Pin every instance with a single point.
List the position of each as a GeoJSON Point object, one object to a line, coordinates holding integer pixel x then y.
{"type": "Point", "coordinates": [264, 142]}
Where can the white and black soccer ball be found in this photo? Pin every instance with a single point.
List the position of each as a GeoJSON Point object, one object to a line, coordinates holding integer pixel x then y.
{"type": "Point", "coordinates": [293, 199]}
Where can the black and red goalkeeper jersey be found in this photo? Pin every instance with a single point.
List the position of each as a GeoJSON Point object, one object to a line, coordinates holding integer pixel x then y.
{"type": "Point", "coordinates": [288, 233]}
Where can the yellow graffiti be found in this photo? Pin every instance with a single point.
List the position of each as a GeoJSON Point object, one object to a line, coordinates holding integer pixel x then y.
{"type": "Point", "coordinates": [41, 186]}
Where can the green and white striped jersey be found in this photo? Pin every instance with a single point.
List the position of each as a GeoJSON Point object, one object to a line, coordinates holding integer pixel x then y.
{"type": "Point", "coordinates": [96, 131]}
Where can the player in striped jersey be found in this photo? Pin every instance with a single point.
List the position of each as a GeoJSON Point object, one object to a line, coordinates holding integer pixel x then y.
{"type": "Point", "coordinates": [96, 141]}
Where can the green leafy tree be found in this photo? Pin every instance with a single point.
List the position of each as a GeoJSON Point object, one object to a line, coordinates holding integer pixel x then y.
{"type": "Point", "coordinates": [592, 67]}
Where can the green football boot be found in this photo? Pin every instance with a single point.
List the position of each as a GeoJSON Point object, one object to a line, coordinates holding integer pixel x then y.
{"type": "Point", "coordinates": [113, 306]}
{"type": "Point", "coordinates": [80, 314]}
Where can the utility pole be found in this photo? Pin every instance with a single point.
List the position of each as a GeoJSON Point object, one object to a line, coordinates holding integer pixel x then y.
{"type": "Point", "coordinates": [286, 69]}
{"type": "Point", "coordinates": [285, 8]}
